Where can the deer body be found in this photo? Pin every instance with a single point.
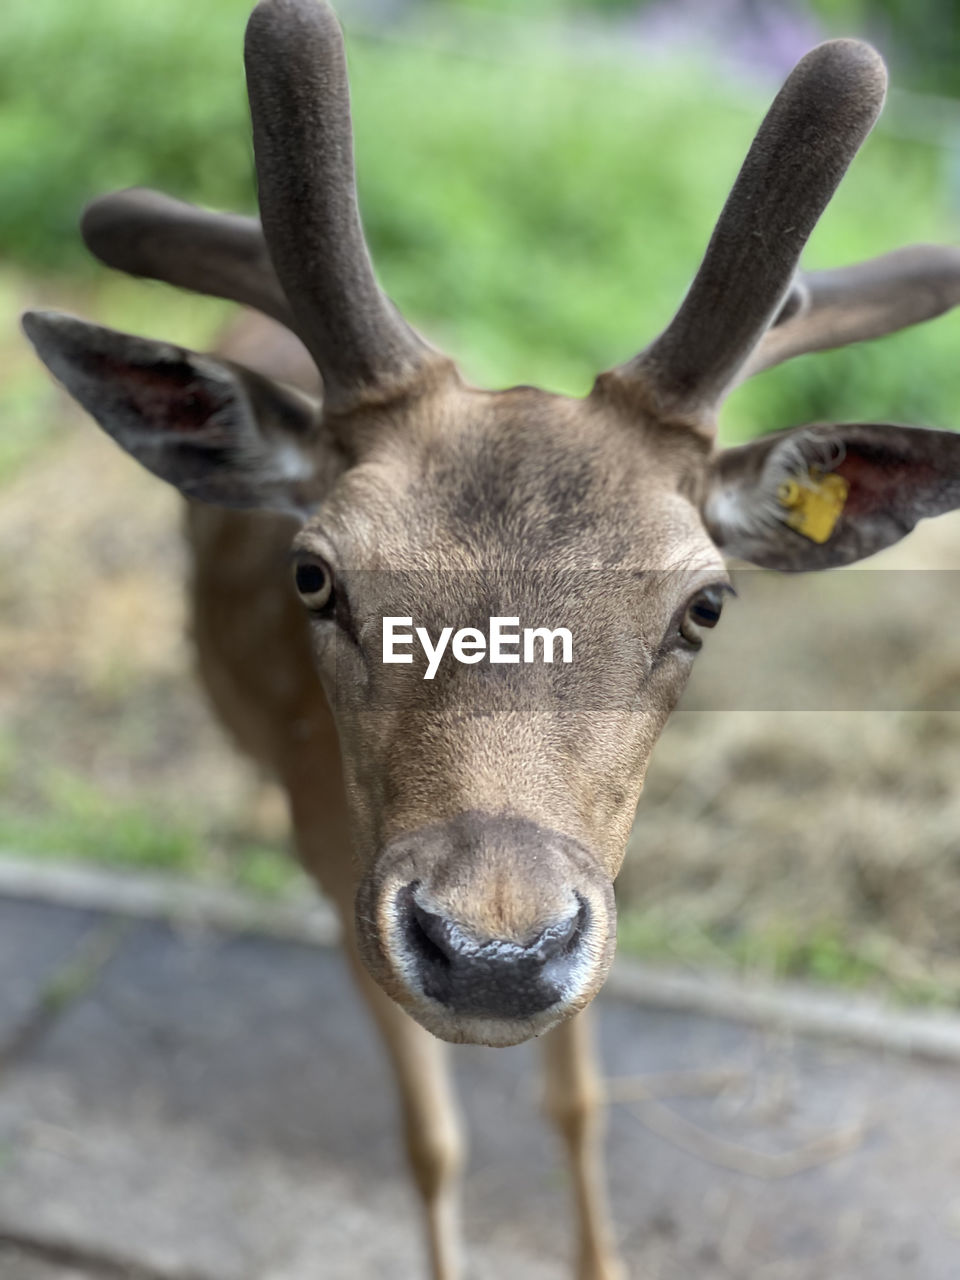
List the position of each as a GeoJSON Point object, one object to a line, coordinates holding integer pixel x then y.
{"type": "Point", "coordinates": [252, 643]}
{"type": "Point", "coordinates": [469, 827]}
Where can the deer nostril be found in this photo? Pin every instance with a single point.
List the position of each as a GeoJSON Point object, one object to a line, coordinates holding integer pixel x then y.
{"type": "Point", "coordinates": [495, 977]}
{"type": "Point", "coordinates": [560, 938]}
{"type": "Point", "coordinates": [431, 934]}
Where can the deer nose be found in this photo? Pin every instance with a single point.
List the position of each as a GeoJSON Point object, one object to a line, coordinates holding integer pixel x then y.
{"type": "Point", "coordinates": [490, 977]}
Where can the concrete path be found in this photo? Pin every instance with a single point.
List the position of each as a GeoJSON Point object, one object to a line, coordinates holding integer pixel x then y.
{"type": "Point", "coordinates": [199, 1106]}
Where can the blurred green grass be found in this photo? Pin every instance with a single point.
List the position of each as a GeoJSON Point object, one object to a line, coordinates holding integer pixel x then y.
{"type": "Point", "coordinates": [539, 214]}
{"type": "Point", "coordinates": [71, 818]}
{"type": "Point", "coordinates": [828, 952]}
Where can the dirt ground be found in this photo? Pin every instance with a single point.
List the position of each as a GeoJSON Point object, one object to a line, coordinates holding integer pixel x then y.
{"type": "Point", "coordinates": [802, 810]}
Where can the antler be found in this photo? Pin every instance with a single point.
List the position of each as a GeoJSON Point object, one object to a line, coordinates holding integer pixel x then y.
{"type": "Point", "coordinates": [299, 102]}
{"type": "Point", "coordinates": [827, 309]}
{"type": "Point", "coordinates": [812, 131]}
{"type": "Point", "coordinates": [146, 233]}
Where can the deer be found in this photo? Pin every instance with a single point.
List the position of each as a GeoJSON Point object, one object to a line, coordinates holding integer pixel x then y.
{"type": "Point", "coordinates": [339, 470]}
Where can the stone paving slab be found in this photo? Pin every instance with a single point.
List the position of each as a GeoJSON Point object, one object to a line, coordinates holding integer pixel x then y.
{"type": "Point", "coordinates": [16, 1265]}
{"type": "Point", "coordinates": [217, 1108]}
{"type": "Point", "coordinates": [34, 945]}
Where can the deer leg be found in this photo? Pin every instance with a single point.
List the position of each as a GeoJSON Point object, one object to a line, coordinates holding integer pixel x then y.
{"type": "Point", "coordinates": [434, 1142]}
{"type": "Point", "coordinates": [574, 1102]}
{"type": "Point", "coordinates": [431, 1125]}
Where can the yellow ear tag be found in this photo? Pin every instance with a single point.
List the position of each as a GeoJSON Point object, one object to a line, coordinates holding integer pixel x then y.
{"type": "Point", "coordinates": [814, 506]}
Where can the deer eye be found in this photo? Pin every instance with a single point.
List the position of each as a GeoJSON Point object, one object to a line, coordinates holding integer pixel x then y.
{"type": "Point", "coordinates": [702, 611]}
{"type": "Point", "coordinates": [314, 580]}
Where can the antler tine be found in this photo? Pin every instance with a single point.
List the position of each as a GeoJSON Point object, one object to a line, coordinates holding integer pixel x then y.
{"type": "Point", "coordinates": [827, 309]}
{"type": "Point", "coordinates": [811, 133]}
{"type": "Point", "coordinates": [299, 102]}
{"type": "Point", "coordinates": [146, 233]}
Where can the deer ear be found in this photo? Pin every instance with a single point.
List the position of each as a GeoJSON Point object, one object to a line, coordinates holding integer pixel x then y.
{"type": "Point", "coordinates": [817, 497]}
{"type": "Point", "coordinates": [219, 433]}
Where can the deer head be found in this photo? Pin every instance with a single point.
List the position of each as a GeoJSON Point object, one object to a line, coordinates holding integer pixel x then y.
{"type": "Point", "coordinates": [491, 805]}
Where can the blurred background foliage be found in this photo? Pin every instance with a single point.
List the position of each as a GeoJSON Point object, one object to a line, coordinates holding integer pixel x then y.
{"type": "Point", "coordinates": [538, 182]}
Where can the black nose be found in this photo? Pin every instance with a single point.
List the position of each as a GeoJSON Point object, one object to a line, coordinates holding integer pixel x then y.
{"type": "Point", "coordinates": [491, 977]}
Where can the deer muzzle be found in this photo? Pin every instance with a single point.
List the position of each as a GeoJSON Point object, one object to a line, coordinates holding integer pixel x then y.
{"type": "Point", "coordinates": [488, 929]}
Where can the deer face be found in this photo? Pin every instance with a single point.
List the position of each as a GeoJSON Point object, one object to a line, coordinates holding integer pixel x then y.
{"type": "Point", "coordinates": [491, 801]}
